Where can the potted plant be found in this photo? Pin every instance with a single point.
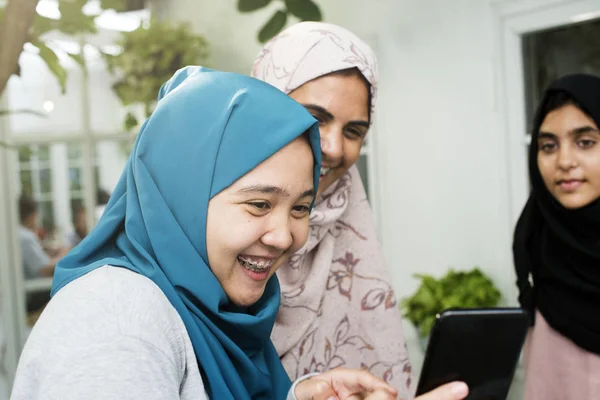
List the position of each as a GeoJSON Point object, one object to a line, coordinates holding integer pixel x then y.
{"type": "Point", "coordinates": [150, 56]}
{"type": "Point", "coordinates": [456, 289]}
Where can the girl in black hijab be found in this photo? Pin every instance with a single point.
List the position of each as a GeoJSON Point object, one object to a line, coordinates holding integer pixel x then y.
{"type": "Point", "coordinates": [557, 244]}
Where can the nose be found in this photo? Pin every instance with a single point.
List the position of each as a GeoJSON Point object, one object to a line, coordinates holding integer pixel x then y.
{"type": "Point", "coordinates": [332, 144]}
{"type": "Point", "coordinates": [566, 158]}
{"type": "Point", "coordinates": [279, 234]}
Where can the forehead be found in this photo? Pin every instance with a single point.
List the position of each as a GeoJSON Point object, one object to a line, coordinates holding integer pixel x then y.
{"type": "Point", "coordinates": [291, 168]}
{"type": "Point", "coordinates": [566, 118]}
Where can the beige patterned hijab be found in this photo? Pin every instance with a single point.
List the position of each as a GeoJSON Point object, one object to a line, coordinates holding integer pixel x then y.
{"type": "Point", "coordinates": [338, 307]}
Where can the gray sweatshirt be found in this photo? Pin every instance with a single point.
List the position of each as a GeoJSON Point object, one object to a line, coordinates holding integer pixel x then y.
{"type": "Point", "coordinates": [111, 334]}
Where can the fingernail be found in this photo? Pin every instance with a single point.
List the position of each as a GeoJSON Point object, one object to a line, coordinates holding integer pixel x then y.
{"type": "Point", "coordinates": [332, 398]}
{"type": "Point", "coordinates": [459, 389]}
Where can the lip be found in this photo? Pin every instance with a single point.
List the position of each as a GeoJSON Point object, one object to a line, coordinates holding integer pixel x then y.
{"type": "Point", "coordinates": [570, 185]}
{"type": "Point", "coordinates": [255, 276]}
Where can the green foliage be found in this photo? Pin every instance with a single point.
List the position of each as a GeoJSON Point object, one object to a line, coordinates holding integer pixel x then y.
{"type": "Point", "coordinates": [252, 5]}
{"type": "Point", "coordinates": [73, 21]}
{"type": "Point", "coordinates": [273, 26]}
{"type": "Point", "coordinates": [305, 10]}
{"type": "Point", "coordinates": [123, 5]}
{"type": "Point", "coordinates": [51, 60]}
{"type": "Point", "coordinates": [457, 289]}
{"type": "Point", "coordinates": [117, 5]}
{"type": "Point", "coordinates": [150, 56]}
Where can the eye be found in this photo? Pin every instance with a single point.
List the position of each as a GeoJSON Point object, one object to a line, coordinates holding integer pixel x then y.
{"type": "Point", "coordinates": [547, 147]}
{"type": "Point", "coordinates": [353, 133]}
{"type": "Point", "coordinates": [259, 207]}
{"type": "Point", "coordinates": [586, 143]}
{"type": "Point", "coordinates": [301, 211]}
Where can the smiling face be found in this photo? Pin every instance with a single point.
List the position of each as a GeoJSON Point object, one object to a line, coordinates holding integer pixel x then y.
{"type": "Point", "coordinates": [569, 156]}
{"type": "Point", "coordinates": [255, 224]}
{"type": "Point", "coordinates": [340, 102]}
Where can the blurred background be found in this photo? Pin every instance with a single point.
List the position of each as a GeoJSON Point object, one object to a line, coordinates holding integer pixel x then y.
{"type": "Point", "coordinates": [444, 165]}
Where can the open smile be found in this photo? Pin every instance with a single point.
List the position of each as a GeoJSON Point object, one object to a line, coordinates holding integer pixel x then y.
{"type": "Point", "coordinates": [257, 268]}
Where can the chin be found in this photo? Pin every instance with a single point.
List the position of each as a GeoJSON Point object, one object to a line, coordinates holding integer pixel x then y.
{"type": "Point", "coordinates": [575, 203]}
{"type": "Point", "coordinates": [247, 300]}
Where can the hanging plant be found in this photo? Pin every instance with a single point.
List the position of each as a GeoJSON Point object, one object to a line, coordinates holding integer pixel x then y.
{"type": "Point", "coordinates": [150, 56]}
{"type": "Point", "coordinates": [304, 10]}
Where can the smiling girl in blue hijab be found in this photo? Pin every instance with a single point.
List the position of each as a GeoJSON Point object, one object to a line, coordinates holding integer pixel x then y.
{"type": "Point", "coordinates": [172, 295]}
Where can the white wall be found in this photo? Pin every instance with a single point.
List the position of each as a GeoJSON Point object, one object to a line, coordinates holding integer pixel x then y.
{"type": "Point", "coordinates": [440, 140]}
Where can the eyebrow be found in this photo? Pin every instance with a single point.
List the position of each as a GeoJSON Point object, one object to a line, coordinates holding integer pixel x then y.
{"type": "Point", "coordinates": [575, 132]}
{"type": "Point", "coordinates": [329, 116]}
{"type": "Point", "coordinates": [270, 189]}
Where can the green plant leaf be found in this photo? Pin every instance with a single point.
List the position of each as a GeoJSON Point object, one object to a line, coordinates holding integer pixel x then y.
{"type": "Point", "coordinates": [130, 122]}
{"type": "Point", "coordinates": [126, 92]}
{"type": "Point", "coordinates": [117, 5]}
{"type": "Point", "coordinates": [251, 5]}
{"type": "Point", "coordinates": [51, 60]}
{"type": "Point", "coordinates": [305, 10]}
{"type": "Point", "coordinates": [72, 19]}
{"type": "Point", "coordinates": [78, 58]}
{"type": "Point", "coordinates": [42, 25]}
{"type": "Point", "coordinates": [272, 27]}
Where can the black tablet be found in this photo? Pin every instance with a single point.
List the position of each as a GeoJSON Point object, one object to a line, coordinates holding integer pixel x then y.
{"type": "Point", "coordinates": [478, 346]}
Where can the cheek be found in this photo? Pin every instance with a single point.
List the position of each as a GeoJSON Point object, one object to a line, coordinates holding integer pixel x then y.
{"type": "Point", "coordinates": [592, 167]}
{"type": "Point", "coordinates": [243, 233]}
{"type": "Point", "coordinates": [300, 230]}
{"type": "Point", "coordinates": [546, 167]}
{"type": "Point", "coordinates": [232, 233]}
{"type": "Point", "coordinates": [351, 151]}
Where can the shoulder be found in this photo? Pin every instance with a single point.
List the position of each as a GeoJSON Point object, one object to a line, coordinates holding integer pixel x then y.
{"type": "Point", "coordinates": [111, 332]}
{"type": "Point", "coordinates": [111, 303]}
{"type": "Point", "coordinates": [26, 235]}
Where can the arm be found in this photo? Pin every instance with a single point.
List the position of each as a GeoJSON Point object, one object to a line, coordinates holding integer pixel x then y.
{"type": "Point", "coordinates": [48, 269]}
{"type": "Point", "coordinates": [121, 368]}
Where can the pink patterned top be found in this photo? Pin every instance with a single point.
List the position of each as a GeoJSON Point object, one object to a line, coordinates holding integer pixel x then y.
{"type": "Point", "coordinates": [338, 306]}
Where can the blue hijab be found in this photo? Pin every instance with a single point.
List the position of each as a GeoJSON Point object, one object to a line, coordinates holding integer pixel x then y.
{"type": "Point", "coordinates": [209, 129]}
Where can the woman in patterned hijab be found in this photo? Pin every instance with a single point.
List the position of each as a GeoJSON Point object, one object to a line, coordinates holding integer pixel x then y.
{"type": "Point", "coordinates": [338, 307]}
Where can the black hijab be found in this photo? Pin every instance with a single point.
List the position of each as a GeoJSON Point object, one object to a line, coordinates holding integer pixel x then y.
{"type": "Point", "coordinates": [557, 250]}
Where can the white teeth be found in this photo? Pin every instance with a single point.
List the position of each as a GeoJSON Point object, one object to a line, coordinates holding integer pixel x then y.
{"type": "Point", "coordinates": [256, 266]}
{"type": "Point", "coordinates": [324, 171]}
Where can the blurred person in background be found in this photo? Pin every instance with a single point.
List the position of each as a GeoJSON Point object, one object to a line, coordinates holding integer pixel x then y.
{"type": "Point", "coordinates": [36, 261]}
{"type": "Point", "coordinates": [80, 230]}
